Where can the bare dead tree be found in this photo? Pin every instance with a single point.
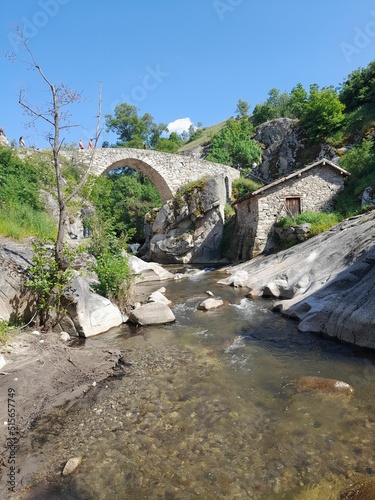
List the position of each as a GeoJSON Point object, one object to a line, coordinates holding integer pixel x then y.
{"type": "Point", "coordinates": [58, 118]}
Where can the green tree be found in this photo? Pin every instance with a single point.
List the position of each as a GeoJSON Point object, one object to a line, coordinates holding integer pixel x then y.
{"type": "Point", "coordinates": [242, 109]}
{"type": "Point", "coordinates": [195, 132]}
{"type": "Point", "coordinates": [170, 145]}
{"type": "Point", "coordinates": [176, 139]}
{"type": "Point", "coordinates": [359, 88]}
{"type": "Point", "coordinates": [233, 145]}
{"type": "Point", "coordinates": [123, 198]}
{"type": "Point", "coordinates": [134, 130]}
{"type": "Point", "coordinates": [297, 100]}
{"type": "Point", "coordinates": [166, 145]}
{"type": "Point", "coordinates": [360, 162]}
{"type": "Point", "coordinates": [276, 106]}
{"type": "Point", "coordinates": [323, 113]}
{"type": "Point", "coordinates": [55, 116]}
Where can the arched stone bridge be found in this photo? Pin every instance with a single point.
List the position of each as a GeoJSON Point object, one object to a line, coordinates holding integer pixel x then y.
{"type": "Point", "coordinates": [168, 172]}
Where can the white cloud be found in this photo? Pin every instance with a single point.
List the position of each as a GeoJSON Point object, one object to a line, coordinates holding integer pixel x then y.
{"type": "Point", "coordinates": [179, 125]}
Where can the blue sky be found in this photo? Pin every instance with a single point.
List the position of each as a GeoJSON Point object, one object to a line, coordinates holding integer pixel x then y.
{"type": "Point", "coordinates": [175, 59]}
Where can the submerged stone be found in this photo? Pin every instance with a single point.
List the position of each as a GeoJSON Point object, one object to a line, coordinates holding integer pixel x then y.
{"type": "Point", "coordinates": [327, 385]}
{"type": "Point", "coordinates": [71, 465]}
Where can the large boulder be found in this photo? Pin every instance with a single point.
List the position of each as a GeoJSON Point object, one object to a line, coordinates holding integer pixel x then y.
{"type": "Point", "coordinates": [152, 313]}
{"type": "Point", "coordinates": [189, 228]}
{"type": "Point", "coordinates": [90, 313]}
{"type": "Point", "coordinates": [147, 271]}
{"type": "Point", "coordinates": [210, 303]}
{"type": "Point", "coordinates": [15, 259]}
{"type": "Point", "coordinates": [326, 282]}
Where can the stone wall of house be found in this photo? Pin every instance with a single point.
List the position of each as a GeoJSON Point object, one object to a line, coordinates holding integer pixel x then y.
{"type": "Point", "coordinates": [256, 215]}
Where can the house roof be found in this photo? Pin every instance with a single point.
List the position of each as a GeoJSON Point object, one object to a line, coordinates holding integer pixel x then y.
{"type": "Point", "coordinates": [297, 173]}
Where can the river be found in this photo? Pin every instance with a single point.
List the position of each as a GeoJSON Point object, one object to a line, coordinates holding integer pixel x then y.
{"type": "Point", "coordinates": [207, 409]}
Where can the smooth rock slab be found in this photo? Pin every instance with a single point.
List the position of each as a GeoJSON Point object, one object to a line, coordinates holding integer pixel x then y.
{"type": "Point", "coordinates": [327, 385]}
{"type": "Point", "coordinates": [152, 313]}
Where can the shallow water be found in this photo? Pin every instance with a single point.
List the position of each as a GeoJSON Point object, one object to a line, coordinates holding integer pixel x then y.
{"type": "Point", "coordinates": [208, 410]}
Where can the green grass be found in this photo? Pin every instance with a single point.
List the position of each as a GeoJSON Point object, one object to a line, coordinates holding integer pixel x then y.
{"type": "Point", "coordinates": [21, 221]}
{"type": "Point", "coordinates": [206, 136]}
{"type": "Point", "coordinates": [242, 187]}
{"type": "Point", "coordinates": [320, 221]}
{"type": "Point", "coordinates": [360, 122]}
{"type": "Point", "coordinates": [7, 331]}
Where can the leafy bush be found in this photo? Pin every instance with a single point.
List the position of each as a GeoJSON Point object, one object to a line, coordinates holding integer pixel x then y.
{"type": "Point", "coordinates": [124, 198]}
{"type": "Point", "coordinates": [242, 187]}
{"type": "Point", "coordinates": [166, 145]}
{"type": "Point", "coordinates": [360, 162]}
{"type": "Point", "coordinates": [359, 87]}
{"type": "Point", "coordinates": [47, 282]}
{"type": "Point", "coordinates": [359, 122]}
{"type": "Point", "coordinates": [4, 332]}
{"type": "Point", "coordinates": [276, 106]}
{"type": "Point", "coordinates": [111, 265]}
{"type": "Point", "coordinates": [233, 145]}
{"type": "Point", "coordinates": [322, 114]}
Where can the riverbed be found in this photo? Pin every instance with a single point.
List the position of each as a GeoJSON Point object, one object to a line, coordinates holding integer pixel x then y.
{"type": "Point", "coordinates": [207, 408]}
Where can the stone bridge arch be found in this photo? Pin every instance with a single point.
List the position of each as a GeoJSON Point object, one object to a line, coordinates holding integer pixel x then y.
{"type": "Point", "coordinates": [144, 168]}
{"type": "Point", "coordinates": [168, 172]}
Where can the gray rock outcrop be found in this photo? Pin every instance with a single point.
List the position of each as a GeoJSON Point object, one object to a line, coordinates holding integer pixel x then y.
{"type": "Point", "coordinates": [189, 228]}
{"type": "Point", "coordinates": [15, 259]}
{"type": "Point", "coordinates": [368, 197]}
{"type": "Point", "coordinates": [327, 283]}
{"type": "Point", "coordinates": [283, 143]}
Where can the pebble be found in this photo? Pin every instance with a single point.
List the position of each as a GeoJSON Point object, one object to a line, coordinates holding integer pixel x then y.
{"type": "Point", "coordinates": [71, 465]}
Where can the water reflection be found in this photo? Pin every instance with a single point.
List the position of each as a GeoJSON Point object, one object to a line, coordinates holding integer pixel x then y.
{"type": "Point", "coordinates": [208, 410]}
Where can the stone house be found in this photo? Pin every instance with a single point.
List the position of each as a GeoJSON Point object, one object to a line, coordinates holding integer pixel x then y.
{"type": "Point", "coordinates": [312, 188]}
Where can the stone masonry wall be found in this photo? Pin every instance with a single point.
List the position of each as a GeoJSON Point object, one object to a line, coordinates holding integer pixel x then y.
{"type": "Point", "coordinates": [168, 172]}
{"type": "Point", "coordinates": [257, 214]}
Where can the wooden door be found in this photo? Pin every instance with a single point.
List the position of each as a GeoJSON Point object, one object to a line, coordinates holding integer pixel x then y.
{"type": "Point", "coordinates": [293, 206]}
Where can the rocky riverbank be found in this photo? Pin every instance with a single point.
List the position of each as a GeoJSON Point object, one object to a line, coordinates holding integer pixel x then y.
{"type": "Point", "coordinates": [43, 372]}
{"type": "Point", "coordinates": [327, 283]}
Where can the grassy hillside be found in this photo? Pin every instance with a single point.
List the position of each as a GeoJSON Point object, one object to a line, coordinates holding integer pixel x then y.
{"type": "Point", "coordinates": [205, 138]}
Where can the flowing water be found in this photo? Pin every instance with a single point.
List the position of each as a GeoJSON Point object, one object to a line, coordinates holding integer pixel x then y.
{"type": "Point", "coordinates": [208, 409]}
